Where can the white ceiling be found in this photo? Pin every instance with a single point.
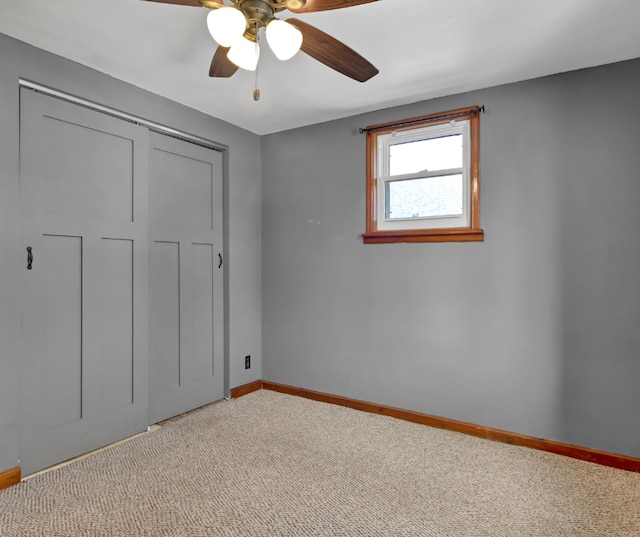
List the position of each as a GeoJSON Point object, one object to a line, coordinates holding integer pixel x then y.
{"type": "Point", "coordinates": [423, 49]}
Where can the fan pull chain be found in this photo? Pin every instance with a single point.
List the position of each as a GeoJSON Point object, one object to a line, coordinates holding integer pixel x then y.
{"type": "Point", "coordinates": [256, 90]}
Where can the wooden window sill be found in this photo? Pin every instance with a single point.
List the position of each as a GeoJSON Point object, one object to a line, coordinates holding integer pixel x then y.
{"type": "Point", "coordinates": [424, 235]}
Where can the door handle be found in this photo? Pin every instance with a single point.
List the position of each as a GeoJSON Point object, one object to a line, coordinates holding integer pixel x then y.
{"type": "Point", "coordinates": [29, 257]}
{"type": "Point", "coordinates": [220, 258]}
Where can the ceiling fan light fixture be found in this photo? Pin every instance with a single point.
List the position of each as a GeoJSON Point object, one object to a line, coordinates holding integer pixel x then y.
{"type": "Point", "coordinates": [283, 38]}
{"type": "Point", "coordinates": [245, 54]}
{"type": "Point", "coordinates": [226, 25]}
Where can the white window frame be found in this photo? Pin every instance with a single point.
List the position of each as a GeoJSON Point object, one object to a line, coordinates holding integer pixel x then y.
{"type": "Point", "coordinates": [386, 141]}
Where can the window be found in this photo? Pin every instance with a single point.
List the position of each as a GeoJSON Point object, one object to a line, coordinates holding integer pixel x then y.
{"type": "Point", "coordinates": [423, 179]}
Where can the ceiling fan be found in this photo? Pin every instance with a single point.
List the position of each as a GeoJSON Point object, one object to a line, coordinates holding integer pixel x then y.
{"type": "Point", "coordinates": [236, 29]}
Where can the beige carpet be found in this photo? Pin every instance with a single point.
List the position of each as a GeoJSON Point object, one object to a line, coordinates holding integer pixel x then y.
{"type": "Point", "coordinates": [270, 464]}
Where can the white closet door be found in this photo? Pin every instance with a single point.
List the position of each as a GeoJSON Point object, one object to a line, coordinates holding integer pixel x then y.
{"type": "Point", "coordinates": [84, 301]}
{"type": "Point", "coordinates": [186, 277]}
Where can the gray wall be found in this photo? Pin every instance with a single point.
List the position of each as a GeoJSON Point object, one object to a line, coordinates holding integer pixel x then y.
{"type": "Point", "coordinates": [243, 202]}
{"type": "Point", "coordinates": [535, 330]}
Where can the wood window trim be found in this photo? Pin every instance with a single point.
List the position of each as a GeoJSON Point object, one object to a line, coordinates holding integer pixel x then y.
{"type": "Point", "coordinates": [471, 233]}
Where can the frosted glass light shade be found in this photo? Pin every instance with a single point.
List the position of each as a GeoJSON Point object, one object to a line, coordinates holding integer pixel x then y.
{"type": "Point", "coordinates": [226, 25]}
{"type": "Point", "coordinates": [284, 39]}
{"type": "Point", "coordinates": [245, 54]}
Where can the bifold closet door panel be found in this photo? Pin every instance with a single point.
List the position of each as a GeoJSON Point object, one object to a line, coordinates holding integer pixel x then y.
{"type": "Point", "coordinates": [84, 312]}
{"type": "Point", "coordinates": [186, 277]}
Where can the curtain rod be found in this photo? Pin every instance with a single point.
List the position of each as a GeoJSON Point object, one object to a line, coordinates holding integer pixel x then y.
{"type": "Point", "coordinates": [477, 110]}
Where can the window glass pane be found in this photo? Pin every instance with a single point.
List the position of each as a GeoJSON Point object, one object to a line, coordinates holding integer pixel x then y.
{"type": "Point", "coordinates": [426, 155]}
{"type": "Point", "coordinates": [424, 198]}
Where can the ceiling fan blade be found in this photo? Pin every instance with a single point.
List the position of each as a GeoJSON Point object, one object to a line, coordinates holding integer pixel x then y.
{"type": "Point", "coordinates": [221, 66]}
{"type": "Point", "coordinates": [325, 5]}
{"type": "Point", "coordinates": [195, 3]}
{"type": "Point", "coordinates": [333, 53]}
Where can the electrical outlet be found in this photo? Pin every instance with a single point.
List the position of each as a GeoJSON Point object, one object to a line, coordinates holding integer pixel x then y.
{"type": "Point", "coordinates": [247, 362]}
